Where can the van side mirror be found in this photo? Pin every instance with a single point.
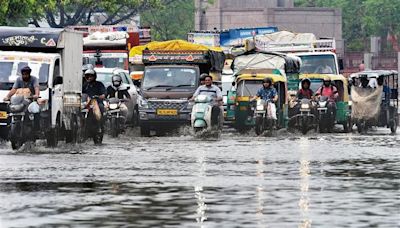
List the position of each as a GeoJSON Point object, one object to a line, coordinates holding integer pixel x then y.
{"type": "Point", "coordinates": [137, 83]}
{"type": "Point", "coordinates": [58, 80]}
{"type": "Point", "coordinates": [341, 64]}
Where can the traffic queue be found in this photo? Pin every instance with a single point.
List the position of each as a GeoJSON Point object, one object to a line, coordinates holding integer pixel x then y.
{"type": "Point", "coordinates": [46, 93]}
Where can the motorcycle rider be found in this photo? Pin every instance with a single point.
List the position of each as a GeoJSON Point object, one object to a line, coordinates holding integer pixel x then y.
{"type": "Point", "coordinates": [268, 93]}
{"type": "Point", "coordinates": [213, 91]}
{"type": "Point", "coordinates": [26, 81]}
{"type": "Point", "coordinates": [330, 91]}
{"type": "Point", "coordinates": [94, 88]}
{"type": "Point", "coordinates": [117, 89]}
{"type": "Point", "coordinates": [305, 92]}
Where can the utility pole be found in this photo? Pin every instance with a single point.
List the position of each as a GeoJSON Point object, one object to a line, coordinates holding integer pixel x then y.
{"type": "Point", "coordinates": [202, 12]}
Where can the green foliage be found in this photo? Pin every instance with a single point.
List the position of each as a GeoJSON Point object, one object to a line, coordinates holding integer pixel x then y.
{"type": "Point", "coordinates": [363, 18]}
{"type": "Point", "coordinates": [172, 21]}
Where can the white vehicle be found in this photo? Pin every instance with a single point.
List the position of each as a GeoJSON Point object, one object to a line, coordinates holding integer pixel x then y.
{"type": "Point", "coordinates": [317, 55]}
{"type": "Point", "coordinates": [104, 75]}
{"type": "Point", "coordinates": [54, 55]}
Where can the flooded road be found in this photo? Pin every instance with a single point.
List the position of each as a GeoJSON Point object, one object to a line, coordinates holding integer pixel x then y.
{"type": "Point", "coordinates": [340, 180]}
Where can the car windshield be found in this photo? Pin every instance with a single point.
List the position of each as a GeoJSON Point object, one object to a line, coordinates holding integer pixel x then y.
{"type": "Point", "coordinates": [109, 62]}
{"type": "Point", "coordinates": [248, 88]}
{"type": "Point", "coordinates": [10, 71]}
{"type": "Point", "coordinates": [318, 64]}
{"type": "Point", "coordinates": [179, 77]}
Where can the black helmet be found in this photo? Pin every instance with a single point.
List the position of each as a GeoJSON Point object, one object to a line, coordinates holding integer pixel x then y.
{"type": "Point", "coordinates": [90, 72]}
{"type": "Point", "coordinates": [26, 69]}
{"type": "Point", "coordinates": [116, 80]}
{"type": "Point", "coordinates": [305, 80]}
{"type": "Point", "coordinates": [267, 80]}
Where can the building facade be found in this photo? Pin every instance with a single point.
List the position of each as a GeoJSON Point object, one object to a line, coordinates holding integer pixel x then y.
{"type": "Point", "coordinates": [226, 14]}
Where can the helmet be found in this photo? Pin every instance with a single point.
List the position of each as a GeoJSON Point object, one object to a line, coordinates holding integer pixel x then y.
{"type": "Point", "coordinates": [306, 80]}
{"type": "Point", "coordinates": [116, 80]}
{"type": "Point", "coordinates": [326, 79]}
{"type": "Point", "coordinates": [90, 72]}
{"type": "Point", "coordinates": [267, 80]}
{"type": "Point", "coordinates": [26, 69]}
{"type": "Point", "coordinates": [203, 77]}
{"type": "Point", "coordinates": [87, 67]}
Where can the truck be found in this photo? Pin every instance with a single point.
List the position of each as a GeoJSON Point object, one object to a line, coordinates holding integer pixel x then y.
{"type": "Point", "coordinates": [171, 76]}
{"type": "Point", "coordinates": [108, 46]}
{"type": "Point", "coordinates": [55, 57]}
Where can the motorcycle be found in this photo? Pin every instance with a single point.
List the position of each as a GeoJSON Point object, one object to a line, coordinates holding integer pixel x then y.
{"type": "Point", "coordinates": [92, 119]}
{"type": "Point", "coordinates": [263, 114]}
{"type": "Point", "coordinates": [116, 119]}
{"type": "Point", "coordinates": [201, 117]}
{"type": "Point", "coordinates": [306, 118]}
{"type": "Point", "coordinates": [23, 112]}
{"type": "Point", "coordinates": [326, 115]}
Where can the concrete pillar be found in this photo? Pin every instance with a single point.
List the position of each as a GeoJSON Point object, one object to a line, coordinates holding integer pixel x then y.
{"type": "Point", "coordinates": [368, 61]}
{"type": "Point", "coordinates": [398, 61]}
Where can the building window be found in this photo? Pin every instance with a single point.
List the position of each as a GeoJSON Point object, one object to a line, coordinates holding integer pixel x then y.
{"type": "Point", "coordinates": [281, 3]}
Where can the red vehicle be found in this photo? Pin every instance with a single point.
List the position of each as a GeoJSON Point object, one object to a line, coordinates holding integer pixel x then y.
{"type": "Point", "coordinates": [108, 46]}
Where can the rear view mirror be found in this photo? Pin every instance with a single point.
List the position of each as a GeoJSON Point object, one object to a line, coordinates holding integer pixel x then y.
{"type": "Point", "coordinates": [233, 83]}
{"type": "Point", "coordinates": [136, 83]}
{"type": "Point", "coordinates": [341, 64]}
{"type": "Point", "coordinates": [58, 80]}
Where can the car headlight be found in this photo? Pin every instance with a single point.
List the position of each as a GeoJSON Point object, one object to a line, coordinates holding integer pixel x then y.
{"type": "Point", "coordinates": [143, 104]}
{"type": "Point", "coordinates": [305, 106]}
{"type": "Point", "coordinates": [113, 106]}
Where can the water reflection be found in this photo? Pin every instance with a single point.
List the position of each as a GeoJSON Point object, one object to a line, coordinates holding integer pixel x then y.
{"type": "Point", "coordinates": [198, 189]}
{"type": "Point", "coordinates": [260, 193]}
{"type": "Point", "coordinates": [304, 172]}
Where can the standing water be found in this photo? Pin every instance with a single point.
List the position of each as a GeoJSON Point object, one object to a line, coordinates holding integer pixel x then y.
{"type": "Point", "coordinates": [235, 181]}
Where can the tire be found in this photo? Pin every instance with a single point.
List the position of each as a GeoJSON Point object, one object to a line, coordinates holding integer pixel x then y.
{"type": "Point", "coordinates": [52, 135]}
{"type": "Point", "coordinates": [348, 126]}
{"type": "Point", "coordinates": [114, 127]}
{"type": "Point", "coordinates": [361, 127]}
{"type": "Point", "coordinates": [98, 139]}
{"type": "Point", "coordinates": [321, 127]}
{"type": "Point", "coordinates": [135, 117]}
{"type": "Point", "coordinates": [304, 127]}
{"type": "Point", "coordinates": [15, 135]}
{"type": "Point", "coordinates": [15, 145]}
{"type": "Point", "coordinates": [259, 125]}
{"type": "Point", "coordinates": [393, 126]}
{"type": "Point", "coordinates": [144, 131]}
{"type": "Point", "coordinates": [72, 135]}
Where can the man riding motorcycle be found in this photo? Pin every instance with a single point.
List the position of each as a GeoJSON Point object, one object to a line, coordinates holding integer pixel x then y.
{"type": "Point", "coordinates": [213, 91]}
{"type": "Point", "coordinates": [94, 88]}
{"type": "Point", "coordinates": [330, 91]}
{"type": "Point", "coordinates": [26, 81]}
{"type": "Point", "coordinates": [120, 91]}
{"type": "Point", "coordinates": [268, 93]}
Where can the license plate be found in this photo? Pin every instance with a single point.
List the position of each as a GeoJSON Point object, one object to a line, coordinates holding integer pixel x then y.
{"type": "Point", "coordinates": [167, 112]}
{"type": "Point", "coordinates": [3, 115]}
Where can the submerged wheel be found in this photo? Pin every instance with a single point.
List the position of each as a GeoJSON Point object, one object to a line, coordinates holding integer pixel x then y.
{"type": "Point", "coordinates": [98, 138]}
{"type": "Point", "coordinates": [52, 136]}
{"type": "Point", "coordinates": [71, 136]}
{"type": "Point", "coordinates": [304, 127]}
{"type": "Point", "coordinates": [259, 126]}
{"type": "Point", "coordinates": [114, 127]}
{"type": "Point", "coordinates": [361, 127]}
{"type": "Point", "coordinates": [16, 144]}
{"type": "Point", "coordinates": [144, 131]}
{"type": "Point", "coordinates": [393, 126]}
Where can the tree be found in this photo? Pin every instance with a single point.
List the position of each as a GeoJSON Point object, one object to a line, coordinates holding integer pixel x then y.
{"type": "Point", "coordinates": [172, 21]}
{"type": "Point", "coordinates": [18, 13]}
{"type": "Point", "coordinates": [363, 18]}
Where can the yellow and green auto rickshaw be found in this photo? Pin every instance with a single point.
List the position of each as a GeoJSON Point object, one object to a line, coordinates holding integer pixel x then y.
{"type": "Point", "coordinates": [343, 109]}
{"type": "Point", "coordinates": [247, 85]}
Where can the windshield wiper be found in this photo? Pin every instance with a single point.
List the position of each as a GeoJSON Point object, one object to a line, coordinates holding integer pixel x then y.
{"type": "Point", "coordinates": [157, 86]}
{"type": "Point", "coordinates": [178, 86]}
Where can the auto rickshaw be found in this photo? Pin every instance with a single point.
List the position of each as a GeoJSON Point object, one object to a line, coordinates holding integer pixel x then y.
{"type": "Point", "coordinates": [343, 109]}
{"type": "Point", "coordinates": [247, 85]}
{"type": "Point", "coordinates": [375, 99]}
